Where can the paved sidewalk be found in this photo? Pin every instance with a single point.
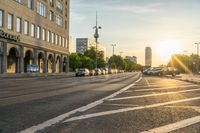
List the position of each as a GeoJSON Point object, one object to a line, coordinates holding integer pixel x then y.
{"type": "Point", "coordinates": [189, 78]}
{"type": "Point", "coordinates": [35, 75]}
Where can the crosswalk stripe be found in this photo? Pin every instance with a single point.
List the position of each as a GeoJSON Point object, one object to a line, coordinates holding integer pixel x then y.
{"type": "Point", "coordinates": [165, 88]}
{"type": "Point", "coordinates": [127, 109]}
{"type": "Point", "coordinates": [174, 126]}
{"type": "Point", "coordinates": [150, 95]}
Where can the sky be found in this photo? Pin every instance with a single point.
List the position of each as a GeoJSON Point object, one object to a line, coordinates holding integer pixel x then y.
{"type": "Point", "coordinates": [134, 24]}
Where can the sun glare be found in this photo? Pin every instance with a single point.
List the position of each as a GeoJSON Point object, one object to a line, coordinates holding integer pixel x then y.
{"type": "Point", "coordinates": [168, 47]}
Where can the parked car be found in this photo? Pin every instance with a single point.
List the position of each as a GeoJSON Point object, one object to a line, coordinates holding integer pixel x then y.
{"type": "Point", "coordinates": [92, 72]}
{"type": "Point", "coordinates": [97, 72]}
{"type": "Point", "coordinates": [103, 72]}
{"type": "Point", "coordinates": [32, 68]}
{"type": "Point", "coordinates": [82, 72]}
{"type": "Point", "coordinates": [106, 71]}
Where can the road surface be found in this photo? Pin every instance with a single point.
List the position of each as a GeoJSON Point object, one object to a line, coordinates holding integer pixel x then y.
{"type": "Point", "coordinates": [122, 103]}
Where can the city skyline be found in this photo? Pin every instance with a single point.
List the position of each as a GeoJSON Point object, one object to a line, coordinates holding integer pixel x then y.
{"type": "Point", "coordinates": [138, 24]}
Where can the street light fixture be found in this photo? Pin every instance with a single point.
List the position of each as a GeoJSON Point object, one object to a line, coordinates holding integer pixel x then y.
{"type": "Point", "coordinates": [113, 45]}
{"type": "Point", "coordinates": [96, 35]}
{"type": "Point", "coordinates": [197, 55]}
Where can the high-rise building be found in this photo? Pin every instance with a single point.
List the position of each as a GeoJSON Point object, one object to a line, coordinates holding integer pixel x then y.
{"type": "Point", "coordinates": [132, 58]}
{"type": "Point", "coordinates": [148, 56]}
{"type": "Point", "coordinates": [84, 44]}
{"type": "Point", "coordinates": [34, 32]}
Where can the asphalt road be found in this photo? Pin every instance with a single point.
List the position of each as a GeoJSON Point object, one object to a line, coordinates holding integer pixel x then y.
{"type": "Point", "coordinates": [25, 103]}
{"type": "Point", "coordinates": [123, 103]}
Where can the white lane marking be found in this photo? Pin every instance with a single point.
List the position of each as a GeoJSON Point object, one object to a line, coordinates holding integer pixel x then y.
{"type": "Point", "coordinates": [174, 126]}
{"type": "Point", "coordinates": [150, 95]}
{"type": "Point", "coordinates": [147, 82]}
{"type": "Point", "coordinates": [120, 105]}
{"type": "Point", "coordinates": [128, 109]}
{"type": "Point", "coordinates": [161, 88]}
{"type": "Point", "coordinates": [59, 118]}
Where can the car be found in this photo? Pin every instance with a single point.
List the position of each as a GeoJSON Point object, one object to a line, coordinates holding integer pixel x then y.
{"type": "Point", "coordinates": [32, 68]}
{"type": "Point", "coordinates": [157, 71]}
{"type": "Point", "coordinates": [82, 72]}
{"type": "Point", "coordinates": [92, 72]}
{"type": "Point", "coordinates": [97, 71]}
{"type": "Point", "coordinates": [103, 72]}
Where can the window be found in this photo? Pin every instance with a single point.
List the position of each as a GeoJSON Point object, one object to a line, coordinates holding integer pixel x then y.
{"type": "Point", "coordinates": [63, 42]}
{"type": "Point", "coordinates": [56, 39]}
{"type": "Point", "coordinates": [52, 37]}
{"type": "Point", "coordinates": [10, 21]}
{"type": "Point", "coordinates": [18, 25]}
{"type": "Point", "coordinates": [26, 27]}
{"type": "Point", "coordinates": [52, 3]}
{"type": "Point", "coordinates": [59, 5]}
{"type": "Point", "coordinates": [30, 4]}
{"type": "Point", "coordinates": [66, 24]}
{"type": "Point", "coordinates": [60, 40]}
{"type": "Point", "coordinates": [66, 44]}
{"type": "Point", "coordinates": [59, 20]}
{"type": "Point", "coordinates": [41, 9]}
{"type": "Point", "coordinates": [51, 15]}
{"type": "Point", "coordinates": [32, 30]}
{"type": "Point", "coordinates": [38, 32]}
{"type": "Point", "coordinates": [1, 18]}
{"type": "Point", "coordinates": [19, 1]}
{"type": "Point", "coordinates": [43, 34]}
{"type": "Point", "coordinates": [48, 36]}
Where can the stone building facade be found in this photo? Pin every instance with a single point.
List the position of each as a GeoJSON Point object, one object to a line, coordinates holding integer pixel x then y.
{"type": "Point", "coordinates": [34, 32]}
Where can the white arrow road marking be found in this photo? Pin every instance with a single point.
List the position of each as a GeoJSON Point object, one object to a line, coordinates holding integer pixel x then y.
{"type": "Point", "coordinates": [150, 95]}
{"type": "Point", "coordinates": [128, 109]}
{"type": "Point", "coordinates": [58, 119]}
{"type": "Point", "coordinates": [161, 88]}
{"type": "Point", "coordinates": [174, 126]}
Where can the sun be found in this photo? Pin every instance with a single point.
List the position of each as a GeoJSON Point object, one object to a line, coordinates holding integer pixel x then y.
{"type": "Point", "coordinates": [168, 47]}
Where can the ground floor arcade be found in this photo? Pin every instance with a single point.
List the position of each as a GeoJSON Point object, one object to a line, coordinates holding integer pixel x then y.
{"type": "Point", "coordinates": [15, 59]}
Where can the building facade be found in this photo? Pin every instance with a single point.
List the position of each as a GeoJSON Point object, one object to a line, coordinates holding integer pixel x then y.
{"type": "Point", "coordinates": [132, 58]}
{"type": "Point", "coordinates": [34, 32]}
{"type": "Point", "coordinates": [148, 56]}
{"type": "Point", "coordinates": [84, 44]}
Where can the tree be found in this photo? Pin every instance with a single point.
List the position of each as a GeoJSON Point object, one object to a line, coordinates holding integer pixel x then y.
{"type": "Point", "coordinates": [75, 61]}
{"type": "Point", "coordinates": [87, 62]}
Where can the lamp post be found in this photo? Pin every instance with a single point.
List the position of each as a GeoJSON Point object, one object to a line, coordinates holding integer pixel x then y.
{"type": "Point", "coordinates": [197, 55]}
{"type": "Point", "coordinates": [113, 45]}
{"type": "Point", "coordinates": [96, 35]}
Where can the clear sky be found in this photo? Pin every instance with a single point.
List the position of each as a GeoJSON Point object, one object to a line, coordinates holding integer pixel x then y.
{"type": "Point", "coordinates": [164, 25]}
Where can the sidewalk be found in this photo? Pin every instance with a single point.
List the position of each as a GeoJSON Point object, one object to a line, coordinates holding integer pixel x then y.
{"type": "Point", "coordinates": [36, 75]}
{"type": "Point", "coordinates": [189, 78]}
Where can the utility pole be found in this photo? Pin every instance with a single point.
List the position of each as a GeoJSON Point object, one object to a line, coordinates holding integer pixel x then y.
{"type": "Point", "coordinates": [197, 55]}
{"type": "Point", "coordinates": [113, 45]}
{"type": "Point", "coordinates": [96, 35]}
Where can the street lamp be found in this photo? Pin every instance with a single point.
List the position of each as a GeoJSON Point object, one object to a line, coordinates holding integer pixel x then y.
{"type": "Point", "coordinates": [197, 55]}
{"type": "Point", "coordinates": [113, 45]}
{"type": "Point", "coordinates": [96, 36]}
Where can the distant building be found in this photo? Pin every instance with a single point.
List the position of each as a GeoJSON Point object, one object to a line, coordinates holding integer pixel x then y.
{"type": "Point", "coordinates": [148, 56]}
{"type": "Point", "coordinates": [132, 58]}
{"type": "Point", "coordinates": [84, 44]}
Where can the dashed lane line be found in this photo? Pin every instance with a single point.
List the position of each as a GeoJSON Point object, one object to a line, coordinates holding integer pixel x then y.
{"type": "Point", "coordinates": [174, 126]}
{"type": "Point", "coordinates": [60, 118]}
{"type": "Point", "coordinates": [87, 116]}
{"type": "Point", "coordinates": [150, 95]}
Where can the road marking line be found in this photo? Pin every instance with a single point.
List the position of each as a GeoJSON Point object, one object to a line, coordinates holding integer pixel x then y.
{"type": "Point", "coordinates": [109, 104]}
{"type": "Point", "coordinates": [59, 118]}
{"type": "Point", "coordinates": [161, 88]}
{"type": "Point", "coordinates": [150, 95]}
{"type": "Point", "coordinates": [147, 82]}
{"type": "Point", "coordinates": [87, 116]}
{"type": "Point", "coordinates": [174, 126]}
